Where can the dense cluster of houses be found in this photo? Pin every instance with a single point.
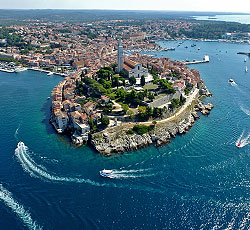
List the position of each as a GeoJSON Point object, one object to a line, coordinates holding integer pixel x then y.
{"type": "Point", "coordinates": [184, 76]}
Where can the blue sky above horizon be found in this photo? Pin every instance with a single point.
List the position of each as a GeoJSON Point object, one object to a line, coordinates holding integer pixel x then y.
{"type": "Point", "coordinates": [176, 5]}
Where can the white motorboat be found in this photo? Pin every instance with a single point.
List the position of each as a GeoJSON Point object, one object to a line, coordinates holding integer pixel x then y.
{"type": "Point", "coordinates": [20, 145]}
{"type": "Point", "coordinates": [231, 80]}
{"type": "Point", "coordinates": [105, 173]}
{"type": "Point", "coordinates": [246, 70]}
{"type": "Point", "coordinates": [50, 73]}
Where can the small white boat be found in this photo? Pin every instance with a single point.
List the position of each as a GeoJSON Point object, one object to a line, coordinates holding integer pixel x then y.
{"type": "Point", "coordinates": [20, 145]}
{"type": "Point", "coordinates": [105, 173]}
{"type": "Point", "coordinates": [48, 98]}
{"type": "Point", "coordinates": [50, 73]}
{"type": "Point", "coordinates": [231, 80]}
{"type": "Point", "coordinates": [245, 60]}
{"type": "Point", "coordinates": [246, 70]}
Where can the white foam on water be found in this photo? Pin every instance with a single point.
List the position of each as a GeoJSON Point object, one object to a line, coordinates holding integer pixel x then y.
{"type": "Point", "coordinates": [36, 171]}
{"type": "Point", "coordinates": [244, 141]}
{"type": "Point", "coordinates": [246, 111]}
{"type": "Point", "coordinates": [16, 132]}
{"type": "Point", "coordinates": [18, 209]}
{"type": "Point", "coordinates": [42, 173]}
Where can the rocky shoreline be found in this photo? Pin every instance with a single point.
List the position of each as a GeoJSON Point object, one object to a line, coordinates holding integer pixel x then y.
{"type": "Point", "coordinates": [118, 141]}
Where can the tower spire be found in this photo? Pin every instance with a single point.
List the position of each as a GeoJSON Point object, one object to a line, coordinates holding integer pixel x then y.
{"type": "Point", "coordinates": [120, 55]}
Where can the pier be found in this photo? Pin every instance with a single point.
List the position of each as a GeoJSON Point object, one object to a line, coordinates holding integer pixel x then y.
{"type": "Point", "coordinates": [244, 53]}
{"type": "Point", "coordinates": [205, 60]}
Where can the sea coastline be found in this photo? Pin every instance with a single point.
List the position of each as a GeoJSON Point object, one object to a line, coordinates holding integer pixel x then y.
{"type": "Point", "coordinates": [116, 139]}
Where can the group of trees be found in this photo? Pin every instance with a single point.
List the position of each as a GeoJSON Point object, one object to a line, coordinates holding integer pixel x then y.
{"type": "Point", "coordinates": [131, 97]}
{"type": "Point", "coordinates": [145, 112]}
{"type": "Point", "coordinates": [14, 39]}
{"type": "Point", "coordinates": [96, 86]}
{"type": "Point", "coordinates": [104, 122]}
{"type": "Point", "coordinates": [175, 102]}
{"type": "Point", "coordinates": [141, 129]}
{"type": "Point", "coordinates": [108, 79]}
{"type": "Point", "coordinates": [153, 72]}
{"type": "Point", "coordinates": [164, 84]}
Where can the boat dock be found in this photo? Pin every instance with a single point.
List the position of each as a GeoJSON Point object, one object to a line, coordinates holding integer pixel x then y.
{"type": "Point", "coordinates": [245, 53]}
{"type": "Point", "coordinates": [205, 60]}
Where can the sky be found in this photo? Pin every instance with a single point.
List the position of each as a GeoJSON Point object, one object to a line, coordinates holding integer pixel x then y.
{"type": "Point", "coordinates": [176, 5]}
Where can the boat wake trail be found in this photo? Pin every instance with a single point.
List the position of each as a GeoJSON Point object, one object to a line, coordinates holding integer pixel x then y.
{"type": "Point", "coordinates": [233, 84]}
{"type": "Point", "coordinates": [243, 141]}
{"type": "Point", "coordinates": [246, 111]}
{"type": "Point", "coordinates": [18, 209]}
{"type": "Point", "coordinates": [35, 170]}
{"type": "Point", "coordinates": [16, 132]}
{"type": "Point", "coordinates": [22, 153]}
{"type": "Point", "coordinates": [129, 173]}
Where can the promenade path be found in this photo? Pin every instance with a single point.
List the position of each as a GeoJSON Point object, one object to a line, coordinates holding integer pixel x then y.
{"type": "Point", "coordinates": [188, 102]}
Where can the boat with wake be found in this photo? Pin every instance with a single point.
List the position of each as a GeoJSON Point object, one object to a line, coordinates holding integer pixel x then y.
{"type": "Point", "coordinates": [231, 81]}
{"type": "Point", "coordinates": [20, 145]}
{"type": "Point", "coordinates": [239, 144]}
{"type": "Point", "coordinates": [106, 173]}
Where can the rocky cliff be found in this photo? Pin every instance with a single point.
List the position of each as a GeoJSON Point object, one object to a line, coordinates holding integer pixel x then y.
{"type": "Point", "coordinates": [116, 140]}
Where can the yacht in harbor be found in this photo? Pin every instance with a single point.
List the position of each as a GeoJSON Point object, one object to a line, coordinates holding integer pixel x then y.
{"type": "Point", "coordinates": [19, 69]}
{"type": "Point", "coordinates": [50, 73]}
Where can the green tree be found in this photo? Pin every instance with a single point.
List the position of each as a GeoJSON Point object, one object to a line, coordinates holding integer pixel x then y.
{"type": "Point", "coordinates": [151, 96]}
{"type": "Point", "coordinates": [125, 107]}
{"type": "Point", "coordinates": [121, 94]}
{"type": "Point", "coordinates": [132, 80]}
{"type": "Point", "coordinates": [91, 124]}
{"type": "Point", "coordinates": [157, 112]}
{"type": "Point", "coordinates": [141, 129]}
{"type": "Point", "coordinates": [131, 114]}
{"type": "Point", "coordinates": [142, 80]}
{"type": "Point", "coordinates": [105, 121]}
{"type": "Point", "coordinates": [187, 91]}
{"type": "Point", "coordinates": [175, 103]}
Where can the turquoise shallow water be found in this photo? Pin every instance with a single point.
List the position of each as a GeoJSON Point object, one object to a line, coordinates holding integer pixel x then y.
{"type": "Point", "coordinates": [199, 181]}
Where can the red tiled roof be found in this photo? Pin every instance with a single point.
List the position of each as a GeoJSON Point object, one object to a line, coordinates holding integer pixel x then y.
{"type": "Point", "coordinates": [126, 67]}
{"type": "Point", "coordinates": [130, 63]}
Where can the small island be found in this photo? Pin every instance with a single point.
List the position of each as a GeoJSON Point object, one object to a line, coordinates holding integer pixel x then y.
{"type": "Point", "coordinates": [130, 104]}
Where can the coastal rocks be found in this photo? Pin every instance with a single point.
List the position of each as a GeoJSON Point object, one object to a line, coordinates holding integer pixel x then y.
{"type": "Point", "coordinates": [195, 115]}
{"type": "Point", "coordinates": [185, 124]}
{"type": "Point", "coordinates": [118, 141]}
{"type": "Point", "coordinates": [112, 144]}
{"type": "Point", "coordinates": [204, 109]}
{"type": "Point", "coordinates": [205, 92]}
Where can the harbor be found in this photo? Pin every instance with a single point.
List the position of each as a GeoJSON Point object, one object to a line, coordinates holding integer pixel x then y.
{"type": "Point", "coordinates": [11, 67]}
{"type": "Point", "coordinates": [206, 59]}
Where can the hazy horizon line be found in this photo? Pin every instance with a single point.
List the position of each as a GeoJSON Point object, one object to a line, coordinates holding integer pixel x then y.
{"type": "Point", "coordinates": [229, 12]}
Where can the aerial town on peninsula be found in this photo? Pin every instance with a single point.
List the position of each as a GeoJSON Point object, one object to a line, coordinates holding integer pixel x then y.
{"type": "Point", "coordinates": [112, 95]}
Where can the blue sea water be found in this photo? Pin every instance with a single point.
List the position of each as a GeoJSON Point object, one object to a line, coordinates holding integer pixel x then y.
{"type": "Point", "coordinates": [201, 180]}
{"type": "Point", "coordinates": [243, 19]}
